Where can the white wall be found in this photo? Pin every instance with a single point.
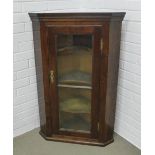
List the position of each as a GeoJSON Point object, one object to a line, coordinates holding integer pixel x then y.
{"type": "Point", "coordinates": [25, 92]}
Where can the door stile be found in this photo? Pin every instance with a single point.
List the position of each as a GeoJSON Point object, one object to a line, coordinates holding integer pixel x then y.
{"type": "Point", "coordinates": [53, 82]}
{"type": "Point", "coordinates": [95, 82]}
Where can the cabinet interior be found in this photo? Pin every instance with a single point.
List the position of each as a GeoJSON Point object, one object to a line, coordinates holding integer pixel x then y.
{"type": "Point", "coordinates": [74, 67]}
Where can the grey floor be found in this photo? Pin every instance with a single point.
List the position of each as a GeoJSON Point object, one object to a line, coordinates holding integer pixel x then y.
{"type": "Point", "coordinates": [32, 143]}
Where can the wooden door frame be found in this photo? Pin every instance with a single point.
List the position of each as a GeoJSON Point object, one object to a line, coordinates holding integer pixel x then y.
{"type": "Point", "coordinates": [96, 31]}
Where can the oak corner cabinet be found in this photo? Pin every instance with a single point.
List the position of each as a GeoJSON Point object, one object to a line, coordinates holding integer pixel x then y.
{"type": "Point", "coordinates": [77, 60]}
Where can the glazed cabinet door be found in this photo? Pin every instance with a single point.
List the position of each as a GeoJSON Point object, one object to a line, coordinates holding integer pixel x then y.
{"type": "Point", "coordinates": [74, 57]}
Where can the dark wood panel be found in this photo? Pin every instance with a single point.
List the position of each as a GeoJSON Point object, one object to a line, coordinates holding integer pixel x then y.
{"type": "Point", "coordinates": [72, 29]}
{"type": "Point", "coordinates": [39, 73]}
{"type": "Point", "coordinates": [112, 77]}
{"type": "Point", "coordinates": [45, 69]}
{"type": "Point", "coordinates": [103, 81]}
{"type": "Point", "coordinates": [95, 82]}
{"type": "Point", "coordinates": [78, 16]}
{"type": "Point", "coordinates": [74, 134]}
{"type": "Point", "coordinates": [53, 87]}
{"type": "Point", "coordinates": [76, 140]}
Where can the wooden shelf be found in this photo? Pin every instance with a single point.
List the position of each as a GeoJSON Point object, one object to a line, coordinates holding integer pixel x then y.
{"type": "Point", "coordinates": [74, 50]}
{"type": "Point", "coordinates": [75, 121]}
{"type": "Point", "coordinates": [75, 78]}
{"type": "Point", "coordinates": [74, 86]}
{"type": "Point", "coordinates": [77, 105]}
{"type": "Point", "coordinates": [73, 130]}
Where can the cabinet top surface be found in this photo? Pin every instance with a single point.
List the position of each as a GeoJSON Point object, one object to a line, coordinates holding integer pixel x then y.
{"type": "Point", "coordinates": [71, 15]}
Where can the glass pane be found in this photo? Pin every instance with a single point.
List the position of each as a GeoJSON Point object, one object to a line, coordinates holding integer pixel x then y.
{"type": "Point", "coordinates": [74, 108]}
{"type": "Point", "coordinates": [74, 65]}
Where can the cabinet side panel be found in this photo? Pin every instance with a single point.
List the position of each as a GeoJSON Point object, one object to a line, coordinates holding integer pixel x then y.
{"type": "Point", "coordinates": [112, 77]}
{"type": "Point", "coordinates": [103, 82]}
{"type": "Point", "coordinates": [39, 74]}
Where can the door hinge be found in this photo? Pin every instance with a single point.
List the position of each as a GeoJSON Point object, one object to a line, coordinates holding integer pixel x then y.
{"type": "Point", "coordinates": [98, 126]}
{"type": "Point", "coordinates": [51, 76]}
{"type": "Point", "coordinates": [101, 45]}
